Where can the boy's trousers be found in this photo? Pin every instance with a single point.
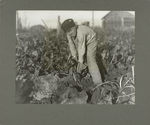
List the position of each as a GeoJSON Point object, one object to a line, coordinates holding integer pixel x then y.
{"type": "Point", "coordinates": [92, 64]}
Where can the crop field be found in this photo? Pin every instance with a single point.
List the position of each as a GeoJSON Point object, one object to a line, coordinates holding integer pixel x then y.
{"type": "Point", "coordinates": [46, 75]}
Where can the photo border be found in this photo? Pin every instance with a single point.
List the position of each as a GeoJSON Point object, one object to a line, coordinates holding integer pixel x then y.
{"type": "Point", "coordinates": [33, 114]}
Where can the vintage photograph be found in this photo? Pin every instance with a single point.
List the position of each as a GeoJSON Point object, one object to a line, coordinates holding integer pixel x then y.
{"type": "Point", "coordinates": [75, 57]}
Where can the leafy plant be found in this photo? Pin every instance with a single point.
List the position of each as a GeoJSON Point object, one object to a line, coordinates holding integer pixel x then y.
{"type": "Point", "coordinates": [43, 75]}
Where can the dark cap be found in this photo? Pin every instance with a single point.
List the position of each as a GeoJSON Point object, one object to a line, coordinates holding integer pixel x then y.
{"type": "Point", "coordinates": [67, 24]}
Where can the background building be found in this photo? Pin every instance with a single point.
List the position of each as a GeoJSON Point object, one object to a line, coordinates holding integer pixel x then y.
{"type": "Point", "coordinates": [117, 19]}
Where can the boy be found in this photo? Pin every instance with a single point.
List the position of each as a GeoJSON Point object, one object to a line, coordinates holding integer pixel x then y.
{"type": "Point", "coordinates": [83, 46]}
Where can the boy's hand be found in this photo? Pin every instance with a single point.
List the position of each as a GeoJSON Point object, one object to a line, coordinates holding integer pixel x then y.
{"type": "Point", "coordinates": [72, 59]}
{"type": "Point", "coordinates": [75, 58]}
{"type": "Point", "coordinates": [80, 67]}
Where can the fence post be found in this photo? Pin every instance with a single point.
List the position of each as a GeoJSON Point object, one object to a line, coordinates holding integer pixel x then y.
{"type": "Point", "coordinates": [58, 26]}
{"type": "Point", "coordinates": [122, 21]}
{"type": "Point", "coordinates": [93, 19]}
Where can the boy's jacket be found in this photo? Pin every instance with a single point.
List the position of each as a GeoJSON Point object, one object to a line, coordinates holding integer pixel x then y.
{"type": "Point", "coordinates": [85, 36]}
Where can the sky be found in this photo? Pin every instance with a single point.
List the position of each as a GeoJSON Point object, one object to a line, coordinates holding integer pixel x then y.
{"type": "Point", "coordinates": [30, 18]}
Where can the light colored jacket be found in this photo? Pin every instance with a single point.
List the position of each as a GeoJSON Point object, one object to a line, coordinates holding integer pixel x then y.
{"type": "Point", "coordinates": [85, 36]}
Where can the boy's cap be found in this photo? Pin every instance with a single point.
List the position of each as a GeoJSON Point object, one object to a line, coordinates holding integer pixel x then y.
{"type": "Point", "coordinates": [67, 24]}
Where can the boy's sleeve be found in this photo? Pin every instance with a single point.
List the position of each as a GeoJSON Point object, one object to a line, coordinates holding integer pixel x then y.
{"type": "Point", "coordinates": [72, 46]}
{"type": "Point", "coordinates": [81, 47]}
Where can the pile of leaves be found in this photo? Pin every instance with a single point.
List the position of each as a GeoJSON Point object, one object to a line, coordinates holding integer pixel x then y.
{"type": "Point", "coordinates": [45, 76]}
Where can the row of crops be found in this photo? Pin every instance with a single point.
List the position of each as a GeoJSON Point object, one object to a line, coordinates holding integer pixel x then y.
{"type": "Point", "coordinates": [44, 75]}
